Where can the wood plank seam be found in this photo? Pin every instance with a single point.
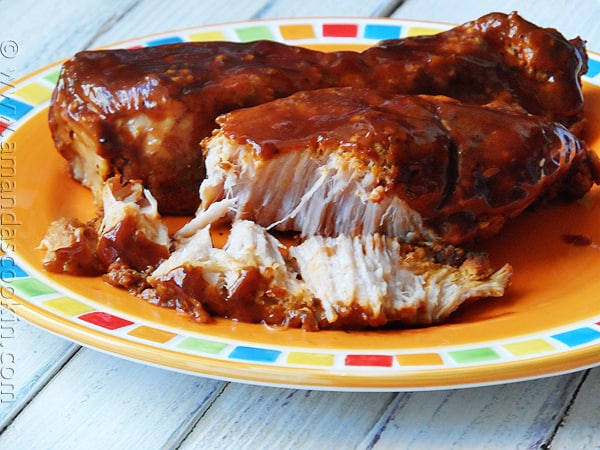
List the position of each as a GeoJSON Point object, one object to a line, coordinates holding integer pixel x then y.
{"type": "Point", "coordinates": [386, 418]}
{"type": "Point", "coordinates": [43, 381]}
{"type": "Point", "coordinates": [192, 424]}
{"type": "Point", "coordinates": [108, 24]}
{"type": "Point", "coordinates": [391, 8]}
{"type": "Point", "coordinates": [565, 414]}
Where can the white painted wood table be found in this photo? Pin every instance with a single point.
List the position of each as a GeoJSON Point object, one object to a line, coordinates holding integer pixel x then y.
{"type": "Point", "coordinates": [59, 395]}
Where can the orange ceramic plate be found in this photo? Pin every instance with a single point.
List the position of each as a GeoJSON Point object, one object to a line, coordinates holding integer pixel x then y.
{"type": "Point", "coordinates": [548, 323]}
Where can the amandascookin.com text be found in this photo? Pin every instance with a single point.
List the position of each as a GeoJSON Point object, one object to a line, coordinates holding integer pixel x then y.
{"type": "Point", "coordinates": [9, 223]}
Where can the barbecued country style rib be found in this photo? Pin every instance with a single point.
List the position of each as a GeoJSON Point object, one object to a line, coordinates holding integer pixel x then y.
{"type": "Point", "coordinates": [419, 168]}
{"type": "Point", "coordinates": [141, 113]}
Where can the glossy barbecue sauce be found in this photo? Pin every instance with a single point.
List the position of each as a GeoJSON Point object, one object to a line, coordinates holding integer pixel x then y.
{"type": "Point", "coordinates": [177, 90]}
{"type": "Point", "coordinates": [448, 161]}
{"type": "Point", "coordinates": [252, 298]}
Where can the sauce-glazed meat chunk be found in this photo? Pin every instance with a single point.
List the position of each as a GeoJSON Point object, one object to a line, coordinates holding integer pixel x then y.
{"type": "Point", "coordinates": [420, 168]}
{"type": "Point", "coordinates": [141, 113]}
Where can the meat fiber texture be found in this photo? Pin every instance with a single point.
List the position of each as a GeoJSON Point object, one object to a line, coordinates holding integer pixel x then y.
{"type": "Point", "coordinates": [342, 282]}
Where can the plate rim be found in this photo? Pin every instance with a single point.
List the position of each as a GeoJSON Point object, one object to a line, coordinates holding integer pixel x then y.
{"type": "Point", "coordinates": [286, 377]}
{"type": "Point", "coordinates": [333, 378]}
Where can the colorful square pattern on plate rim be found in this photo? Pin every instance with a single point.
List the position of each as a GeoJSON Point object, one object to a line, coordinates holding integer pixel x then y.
{"type": "Point", "coordinates": [37, 292]}
{"type": "Point", "coordinates": [33, 94]}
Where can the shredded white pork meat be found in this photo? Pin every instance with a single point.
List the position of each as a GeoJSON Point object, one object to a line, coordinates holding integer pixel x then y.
{"type": "Point", "coordinates": [331, 282]}
{"type": "Point", "coordinates": [322, 195]}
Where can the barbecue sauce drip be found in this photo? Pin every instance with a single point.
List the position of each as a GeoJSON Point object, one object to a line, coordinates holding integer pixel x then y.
{"type": "Point", "coordinates": [577, 240]}
{"type": "Point", "coordinates": [249, 300]}
{"type": "Point", "coordinates": [129, 245]}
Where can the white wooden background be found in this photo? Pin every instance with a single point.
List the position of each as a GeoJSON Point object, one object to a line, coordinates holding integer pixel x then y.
{"type": "Point", "coordinates": [68, 397]}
